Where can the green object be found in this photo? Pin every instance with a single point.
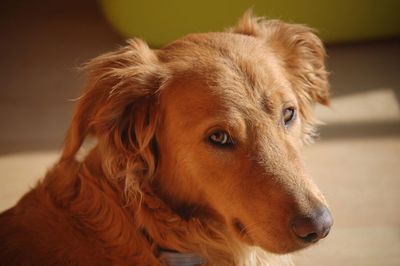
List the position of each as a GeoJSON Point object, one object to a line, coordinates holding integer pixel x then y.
{"type": "Point", "coordinates": [162, 21]}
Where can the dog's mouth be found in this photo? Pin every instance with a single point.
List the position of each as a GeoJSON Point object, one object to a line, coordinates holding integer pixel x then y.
{"type": "Point", "coordinates": [242, 231]}
{"type": "Point", "coordinates": [279, 243]}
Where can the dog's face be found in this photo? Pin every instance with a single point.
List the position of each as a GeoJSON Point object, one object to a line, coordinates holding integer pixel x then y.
{"type": "Point", "coordinates": [217, 120]}
{"type": "Point", "coordinates": [229, 137]}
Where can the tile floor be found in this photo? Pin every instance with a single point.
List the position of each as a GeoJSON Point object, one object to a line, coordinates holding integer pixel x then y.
{"type": "Point", "coordinates": [356, 162]}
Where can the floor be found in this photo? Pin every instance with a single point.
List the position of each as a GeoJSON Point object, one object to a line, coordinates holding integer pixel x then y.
{"type": "Point", "coordinates": [356, 162]}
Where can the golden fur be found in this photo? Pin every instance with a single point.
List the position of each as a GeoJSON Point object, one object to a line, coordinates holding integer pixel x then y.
{"type": "Point", "coordinates": [153, 182]}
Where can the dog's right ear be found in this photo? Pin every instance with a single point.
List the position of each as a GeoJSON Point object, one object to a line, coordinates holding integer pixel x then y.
{"type": "Point", "coordinates": [117, 105]}
{"type": "Point", "coordinates": [302, 53]}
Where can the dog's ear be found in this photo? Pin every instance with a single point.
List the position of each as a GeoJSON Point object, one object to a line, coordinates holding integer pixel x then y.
{"type": "Point", "coordinates": [302, 56]}
{"type": "Point", "coordinates": [118, 105]}
{"type": "Point", "coordinates": [300, 50]}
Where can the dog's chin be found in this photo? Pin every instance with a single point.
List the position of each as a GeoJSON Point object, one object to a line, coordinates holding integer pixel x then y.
{"type": "Point", "coordinates": [283, 247]}
{"type": "Point", "coordinates": [277, 244]}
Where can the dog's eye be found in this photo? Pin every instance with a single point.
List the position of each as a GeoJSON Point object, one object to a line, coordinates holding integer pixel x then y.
{"type": "Point", "coordinates": [289, 115]}
{"type": "Point", "coordinates": [220, 138]}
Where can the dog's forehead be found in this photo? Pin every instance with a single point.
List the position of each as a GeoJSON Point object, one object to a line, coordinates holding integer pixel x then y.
{"type": "Point", "coordinates": [241, 70]}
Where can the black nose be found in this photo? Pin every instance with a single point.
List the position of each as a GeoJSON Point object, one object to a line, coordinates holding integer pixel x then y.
{"type": "Point", "coordinates": [314, 227]}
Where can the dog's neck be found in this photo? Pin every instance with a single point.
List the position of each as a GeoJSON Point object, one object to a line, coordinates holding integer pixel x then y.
{"type": "Point", "coordinates": [181, 259]}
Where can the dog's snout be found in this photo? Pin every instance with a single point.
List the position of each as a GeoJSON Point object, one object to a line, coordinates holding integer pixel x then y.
{"type": "Point", "coordinates": [312, 228]}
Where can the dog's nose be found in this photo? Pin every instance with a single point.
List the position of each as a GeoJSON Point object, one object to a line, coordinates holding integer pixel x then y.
{"type": "Point", "coordinates": [312, 228]}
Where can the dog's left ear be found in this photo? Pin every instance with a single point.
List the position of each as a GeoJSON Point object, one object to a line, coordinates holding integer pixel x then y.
{"type": "Point", "coordinates": [300, 50]}
{"type": "Point", "coordinates": [119, 109]}
{"type": "Point", "coordinates": [304, 57]}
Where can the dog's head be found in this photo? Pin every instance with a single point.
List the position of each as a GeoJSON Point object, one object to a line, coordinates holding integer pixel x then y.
{"type": "Point", "coordinates": [214, 123]}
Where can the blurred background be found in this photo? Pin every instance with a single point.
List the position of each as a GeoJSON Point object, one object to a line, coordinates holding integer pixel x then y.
{"type": "Point", "coordinates": [356, 162]}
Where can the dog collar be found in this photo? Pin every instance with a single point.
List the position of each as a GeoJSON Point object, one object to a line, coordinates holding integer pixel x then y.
{"type": "Point", "coordinates": [181, 259]}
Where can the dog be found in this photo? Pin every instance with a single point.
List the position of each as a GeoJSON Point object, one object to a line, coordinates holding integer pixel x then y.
{"type": "Point", "coordinates": [195, 151]}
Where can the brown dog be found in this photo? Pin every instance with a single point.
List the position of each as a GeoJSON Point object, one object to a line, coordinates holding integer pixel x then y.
{"type": "Point", "coordinates": [197, 152]}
